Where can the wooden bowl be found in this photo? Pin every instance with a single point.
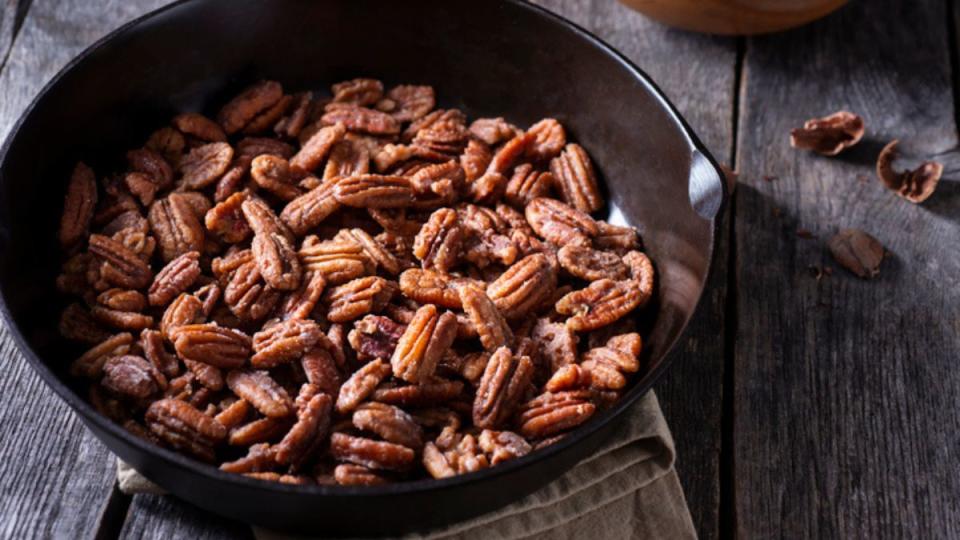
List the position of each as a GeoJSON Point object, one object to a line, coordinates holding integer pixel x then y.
{"type": "Point", "coordinates": [735, 16]}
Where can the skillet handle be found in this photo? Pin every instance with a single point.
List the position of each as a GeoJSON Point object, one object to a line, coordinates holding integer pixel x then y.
{"type": "Point", "coordinates": [707, 189]}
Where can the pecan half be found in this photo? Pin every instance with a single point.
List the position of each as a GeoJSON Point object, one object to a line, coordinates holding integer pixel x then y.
{"type": "Point", "coordinates": [241, 110]}
{"type": "Point", "coordinates": [260, 458]}
{"type": "Point", "coordinates": [490, 324]}
{"type": "Point", "coordinates": [527, 184]}
{"type": "Point", "coordinates": [505, 380]}
{"type": "Point", "coordinates": [356, 298]}
{"type": "Point", "coordinates": [316, 149]}
{"type": "Point", "coordinates": [151, 164]}
{"type": "Point", "coordinates": [915, 186]}
{"type": "Point", "coordinates": [272, 173]}
{"type": "Point", "coordinates": [347, 158]}
{"type": "Point", "coordinates": [205, 164]}
{"type": "Point", "coordinates": [176, 226]}
{"type": "Point", "coordinates": [363, 120]}
{"type": "Point", "coordinates": [320, 368]}
{"type": "Point", "coordinates": [432, 392]}
{"type": "Point", "coordinates": [307, 434]}
{"type": "Point", "coordinates": [374, 191]}
{"type": "Point", "coordinates": [590, 264]}
{"type": "Point", "coordinates": [561, 224]}
{"type": "Point", "coordinates": [121, 266]}
{"type": "Point", "coordinates": [176, 277]}
{"type": "Point", "coordinates": [284, 342]}
{"type": "Point", "coordinates": [277, 261]}
{"type": "Point", "coordinates": [132, 376]}
{"type": "Point", "coordinates": [337, 260]}
{"type": "Point", "coordinates": [857, 251]}
{"type": "Point", "coordinates": [152, 343]}
{"type": "Point", "coordinates": [369, 453]}
{"type": "Point", "coordinates": [122, 300]}
{"type": "Point", "coordinates": [577, 180]}
{"type": "Point", "coordinates": [374, 250]}
{"type": "Point", "coordinates": [215, 345]}
{"type": "Point", "coordinates": [829, 135]}
{"type": "Point", "coordinates": [549, 414]}
{"type": "Point", "coordinates": [185, 309]}
{"type": "Point", "coordinates": [549, 138]}
{"type": "Point", "coordinates": [247, 295]}
{"type": "Point", "coordinates": [475, 159]}
{"type": "Point", "coordinates": [300, 303]}
{"type": "Point", "coordinates": [199, 126]}
{"type": "Point", "coordinates": [601, 303]}
{"type": "Point", "coordinates": [262, 220]}
{"type": "Point", "coordinates": [348, 474]}
{"type": "Point", "coordinates": [292, 124]}
{"type": "Point", "coordinates": [411, 102]}
{"type": "Point", "coordinates": [360, 92]}
{"type": "Point", "coordinates": [78, 205]}
{"type": "Point", "coordinates": [524, 286]}
{"type": "Point", "coordinates": [438, 243]}
{"type": "Point", "coordinates": [122, 320]}
{"type": "Point", "coordinates": [209, 376]}
{"type": "Point", "coordinates": [185, 428]}
{"type": "Point", "coordinates": [361, 385]}
{"type": "Point", "coordinates": [261, 391]}
{"type": "Point", "coordinates": [77, 324]}
{"type": "Point", "coordinates": [375, 336]}
{"type": "Point", "coordinates": [493, 131]}
{"type": "Point", "coordinates": [426, 338]}
{"type": "Point", "coordinates": [390, 423]}
{"type": "Point", "coordinates": [608, 366]}
{"type": "Point", "coordinates": [226, 219]}
{"type": "Point", "coordinates": [167, 142]}
{"type": "Point", "coordinates": [429, 287]}
{"type": "Point", "coordinates": [557, 343]}
{"type": "Point", "coordinates": [616, 238]}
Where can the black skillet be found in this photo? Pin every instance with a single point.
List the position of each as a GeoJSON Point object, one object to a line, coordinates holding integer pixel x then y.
{"type": "Point", "coordinates": [485, 57]}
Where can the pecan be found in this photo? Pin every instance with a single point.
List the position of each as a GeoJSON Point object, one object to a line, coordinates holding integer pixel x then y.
{"type": "Point", "coordinates": [176, 226]}
{"type": "Point", "coordinates": [438, 243]}
{"type": "Point", "coordinates": [391, 155]}
{"type": "Point", "coordinates": [259, 431]}
{"type": "Point", "coordinates": [261, 391]}
{"type": "Point", "coordinates": [576, 178]}
{"type": "Point", "coordinates": [569, 377]}
{"type": "Point", "coordinates": [270, 476]}
{"type": "Point", "coordinates": [437, 185]}
{"type": "Point", "coordinates": [300, 303]}
{"type": "Point", "coordinates": [284, 342]}
{"type": "Point", "coordinates": [557, 343]}
{"type": "Point", "coordinates": [475, 159]}
{"type": "Point", "coordinates": [152, 343]}
{"type": "Point", "coordinates": [185, 309]}
{"type": "Point", "coordinates": [132, 376]}
{"type": "Point", "coordinates": [277, 261]}
{"type": "Point", "coordinates": [493, 131]}
{"type": "Point", "coordinates": [590, 264]}
{"type": "Point", "coordinates": [448, 137]}
{"type": "Point", "coordinates": [259, 458]}
{"type": "Point", "coordinates": [361, 385]}
{"type": "Point", "coordinates": [269, 117]}
{"type": "Point", "coordinates": [246, 294]}
{"type": "Point", "coordinates": [141, 185]}
{"type": "Point", "coordinates": [185, 428]}
{"type": "Point", "coordinates": [858, 252]}
{"type": "Point", "coordinates": [241, 110]}
{"type": "Point", "coordinates": [310, 209]}
{"type": "Point", "coordinates": [616, 238]}
{"type": "Point", "coordinates": [549, 138]}
{"type": "Point", "coordinates": [433, 391]}
{"type": "Point", "coordinates": [207, 375]}
{"type": "Point", "coordinates": [78, 205]}
{"type": "Point", "coordinates": [208, 295]}
{"type": "Point", "coordinates": [215, 345]}
{"type": "Point", "coordinates": [411, 102]}
{"type": "Point", "coordinates": [501, 446]}
{"type": "Point", "coordinates": [389, 423]}
{"type": "Point", "coordinates": [489, 188]}
{"type": "Point", "coordinates": [439, 115]}
{"type": "Point", "coordinates": [356, 298]}
{"type": "Point", "coordinates": [601, 303]}
{"type": "Point", "coordinates": [122, 300]}
{"type": "Point", "coordinates": [374, 191]}
{"type": "Point", "coordinates": [363, 120]}
{"type": "Point", "coordinates": [489, 248]}
{"type": "Point", "coordinates": [347, 159]}
{"type": "Point", "coordinates": [121, 266]}
{"type": "Point", "coordinates": [504, 383]}
{"type": "Point", "coordinates": [316, 149]}
{"type": "Point", "coordinates": [320, 368]}
{"type": "Point", "coordinates": [272, 173]}
{"type": "Point", "coordinates": [829, 135]}
{"type": "Point", "coordinates": [369, 453]}
{"type": "Point", "coordinates": [430, 287]}
{"type": "Point", "coordinates": [77, 324]}
{"type": "Point", "coordinates": [563, 225]}
{"type": "Point", "coordinates": [176, 277]}
{"type": "Point", "coordinates": [524, 286]}
{"type": "Point", "coordinates": [915, 186]}
{"type": "Point", "coordinates": [527, 184]}
{"type": "Point", "coordinates": [337, 260]}
{"type": "Point", "coordinates": [641, 270]}
{"type": "Point", "coordinates": [360, 92]}
{"type": "Point", "coordinates": [153, 165]}
{"type": "Point", "coordinates": [262, 220]}
{"type": "Point", "coordinates": [251, 147]}
{"type": "Point", "coordinates": [374, 250]}
{"type": "Point", "coordinates": [234, 414]}
{"type": "Point", "coordinates": [307, 434]}
{"type": "Point", "coordinates": [199, 126]}
{"type": "Point", "coordinates": [167, 142]}
{"type": "Point", "coordinates": [491, 326]}
{"type": "Point", "coordinates": [122, 320]}
{"type": "Point", "coordinates": [205, 164]}
{"type": "Point", "coordinates": [436, 463]}
{"type": "Point", "coordinates": [549, 414]}
{"type": "Point", "coordinates": [428, 335]}
{"type": "Point", "coordinates": [348, 474]}
{"type": "Point", "coordinates": [226, 219]}
{"type": "Point", "coordinates": [375, 336]}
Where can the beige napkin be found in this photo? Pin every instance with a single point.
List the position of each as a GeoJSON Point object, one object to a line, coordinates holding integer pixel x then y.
{"type": "Point", "coordinates": [627, 489]}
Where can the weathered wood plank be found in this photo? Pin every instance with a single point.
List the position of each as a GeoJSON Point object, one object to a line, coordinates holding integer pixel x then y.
{"type": "Point", "coordinates": [154, 516]}
{"type": "Point", "coordinates": [57, 476]}
{"type": "Point", "coordinates": [698, 74]}
{"type": "Point", "coordinates": [847, 391]}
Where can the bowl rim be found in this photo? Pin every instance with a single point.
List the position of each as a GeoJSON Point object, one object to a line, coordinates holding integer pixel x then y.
{"type": "Point", "coordinates": [210, 472]}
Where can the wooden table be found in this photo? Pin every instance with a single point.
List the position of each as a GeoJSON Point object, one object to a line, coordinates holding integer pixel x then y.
{"type": "Point", "coordinates": [801, 407]}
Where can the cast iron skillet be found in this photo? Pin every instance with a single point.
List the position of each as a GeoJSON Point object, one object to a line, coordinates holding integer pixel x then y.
{"type": "Point", "coordinates": [488, 58]}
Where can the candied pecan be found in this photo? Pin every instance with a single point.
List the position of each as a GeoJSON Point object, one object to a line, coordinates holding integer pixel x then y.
{"type": "Point", "coordinates": [262, 220]}
{"type": "Point", "coordinates": [348, 474]}
{"type": "Point", "coordinates": [141, 244]}
{"type": "Point", "coordinates": [121, 266]}
{"type": "Point", "coordinates": [307, 434]}
{"type": "Point", "coordinates": [501, 446]}
{"type": "Point", "coordinates": [361, 385]}
{"type": "Point", "coordinates": [424, 341]}
{"type": "Point", "coordinates": [438, 243]}
{"type": "Point", "coordinates": [122, 320]}
{"type": "Point", "coordinates": [207, 375]}
{"type": "Point", "coordinates": [259, 431]}
{"type": "Point", "coordinates": [509, 154]}
{"type": "Point", "coordinates": [176, 277]}
{"type": "Point", "coordinates": [251, 147]}
{"type": "Point", "coordinates": [272, 173]}
{"type": "Point", "coordinates": [356, 298]}
{"type": "Point", "coordinates": [601, 303]}
{"type": "Point", "coordinates": [569, 377]}
{"type": "Point", "coordinates": [142, 186]}
{"type": "Point", "coordinates": [270, 476]}
{"type": "Point", "coordinates": [300, 303]}
{"type": "Point", "coordinates": [375, 336]}
{"type": "Point", "coordinates": [284, 342]}
{"type": "Point", "coordinates": [431, 392]}
{"type": "Point", "coordinates": [493, 131]}
{"type": "Point", "coordinates": [369, 453]}
{"type": "Point", "coordinates": [205, 164]}
{"type": "Point", "coordinates": [439, 115]}
{"type": "Point", "coordinates": [374, 191]}
{"type": "Point", "coordinates": [268, 118]}
{"type": "Point", "coordinates": [557, 343]}
{"type": "Point", "coordinates": [132, 376]}
{"type": "Point", "coordinates": [858, 252]}
{"type": "Point", "coordinates": [292, 124]}
{"type": "Point", "coordinates": [153, 165]}
{"type": "Point", "coordinates": [391, 155]}
{"type": "Point", "coordinates": [234, 414]}
{"type": "Point", "coordinates": [277, 261]}
{"type": "Point", "coordinates": [389, 423]}
{"type": "Point", "coordinates": [77, 324]}
{"type": "Point", "coordinates": [184, 427]}
{"type": "Point", "coordinates": [527, 184]}
{"type": "Point", "coordinates": [488, 248]}
{"type": "Point", "coordinates": [576, 178]}
{"type": "Point", "coordinates": [829, 135]}
{"type": "Point", "coordinates": [472, 366]}
{"type": "Point", "coordinates": [641, 270]}
{"type": "Point", "coordinates": [489, 188]}
{"type": "Point", "coordinates": [346, 159]}
{"type": "Point", "coordinates": [607, 365]}
{"type": "Point", "coordinates": [360, 92]}
{"type": "Point", "coordinates": [316, 149]}
{"type": "Point", "coordinates": [208, 295]}
{"type": "Point", "coordinates": [590, 264]}
{"type": "Point", "coordinates": [616, 238]}
{"type": "Point", "coordinates": [437, 184]}
{"type": "Point", "coordinates": [215, 345]}
{"type": "Point", "coordinates": [310, 209]}
{"type": "Point", "coordinates": [412, 102]}
{"type": "Point", "coordinates": [321, 369]}
{"type": "Point", "coordinates": [447, 137]}
{"type": "Point", "coordinates": [241, 110]}
{"type": "Point", "coordinates": [915, 186]}
{"type": "Point", "coordinates": [176, 226]}
{"type": "Point", "coordinates": [563, 225]}
{"type": "Point", "coordinates": [168, 142]}
{"type": "Point", "coordinates": [258, 388]}
{"type": "Point", "coordinates": [374, 250]}
{"type": "Point", "coordinates": [549, 138]}
{"type": "Point", "coordinates": [337, 260]}
{"type": "Point", "coordinates": [122, 300]}
{"type": "Point", "coordinates": [491, 326]}
{"type": "Point", "coordinates": [199, 126]}
{"type": "Point", "coordinates": [260, 458]}
{"type": "Point", "coordinates": [505, 381]}
{"type": "Point", "coordinates": [524, 286]}
{"type": "Point", "coordinates": [363, 120]}
{"type": "Point", "coordinates": [475, 159]}
{"type": "Point", "coordinates": [549, 414]}
{"type": "Point", "coordinates": [185, 309]}
{"type": "Point", "coordinates": [430, 287]}
{"type": "Point", "coordinates": [513, 217]}
{"type": "Point", "coordinates": [152, 343]}
{"type": "Point", "coordinates": [226, 219]}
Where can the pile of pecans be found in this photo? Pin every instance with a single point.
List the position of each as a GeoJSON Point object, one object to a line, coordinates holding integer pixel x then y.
{"type": "Point", "coordinates": [355, 290]}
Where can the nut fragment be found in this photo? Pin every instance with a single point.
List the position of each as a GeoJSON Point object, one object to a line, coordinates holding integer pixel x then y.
{"type": "Point", "coordinates": [360, 92]}
{"type": "Point", "coordinates": [375, 336]}
{"type": "Point", "coordinates": [418, 352]}
{"type": "Point", "coordinates": [915, 186]}
{"type": "Point", "coordinates": [829, 135]}
{"type": "Point", "coordinates": [78, 205]}
{"type": "Point", "coordinates": [121, 266]}
{"type": "Point", "coordinates": [272, 173]}
{"type": "Point", "coordinates": [858, 252]}
{"type": "Point", "coordinates": [430, 287]}
{"type": "Point", "coordinates": [549, 140]}
{"type": "Point", "coordinates": [558, 344]}
{"type": "Point", "coordinates": [390, 423]}
{"type": "Point", "coordinates": [362, 120]}
{"type": "Point", "coordinates": [226, 219]}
